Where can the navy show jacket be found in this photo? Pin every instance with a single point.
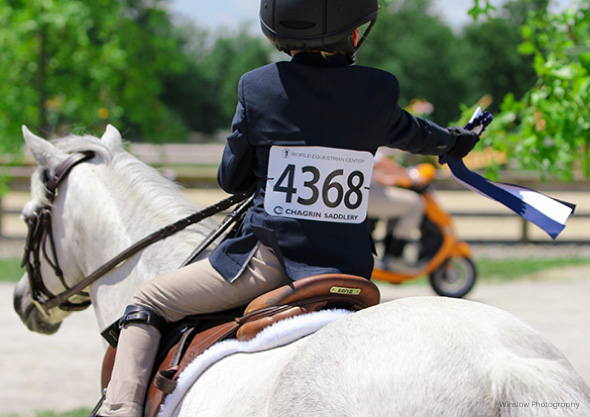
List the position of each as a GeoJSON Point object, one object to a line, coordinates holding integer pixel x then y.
{"type": "Point", "coordinates": [311, 101]}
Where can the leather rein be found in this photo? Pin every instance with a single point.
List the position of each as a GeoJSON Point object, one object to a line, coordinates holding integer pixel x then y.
{"type": "Point", "coordinates": [40, 242]}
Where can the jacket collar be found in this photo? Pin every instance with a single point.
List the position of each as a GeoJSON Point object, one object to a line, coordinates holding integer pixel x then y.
{"type": "Point", "coordinates": [316, 59]}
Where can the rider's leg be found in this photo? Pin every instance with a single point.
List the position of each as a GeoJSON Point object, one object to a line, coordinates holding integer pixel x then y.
{"type": "Point", "coordinates": [392, 245]}
{"type": "Point", "coordinates": [404, 208]}
{"type": "Point", "coordinates": [409, 221]}
{"type": "Point", "coordinates": [136, 352]}
{"type": "Point", "coordinates": [195, 289]}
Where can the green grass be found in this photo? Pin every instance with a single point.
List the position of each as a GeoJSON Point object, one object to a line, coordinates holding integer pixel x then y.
{"type": "Point", "coordinates": [78, 412]}
{"type": "Point", "coordinates": [10, 270]}
{"type": "Point", "coordinates": [507, 269]}
{"type": "Point", "coordinates": [488, 269]}
{"type": "Point", "coordinates": [499, 270]}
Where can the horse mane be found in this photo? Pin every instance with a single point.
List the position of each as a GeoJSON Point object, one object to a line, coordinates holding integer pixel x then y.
{"type": "Point", "coordinates": [134, 179]}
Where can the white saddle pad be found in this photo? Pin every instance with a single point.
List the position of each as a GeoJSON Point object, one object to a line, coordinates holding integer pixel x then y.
{"type": "Point", "coordinates": [279, 334]}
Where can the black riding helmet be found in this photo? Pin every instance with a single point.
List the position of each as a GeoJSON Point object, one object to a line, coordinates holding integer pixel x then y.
{"type": "Point", "coordinates": [316, 25]}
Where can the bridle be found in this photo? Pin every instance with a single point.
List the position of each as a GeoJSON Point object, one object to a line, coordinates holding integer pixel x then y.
{"type": "Point", "coordinates": [40, 241]}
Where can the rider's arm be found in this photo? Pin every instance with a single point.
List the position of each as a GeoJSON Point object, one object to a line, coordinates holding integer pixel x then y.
{"type": "Point", "coordinates": [236, 171]}
{"type": "Point", "coordinates": [414, 134]}
{"type": "Point", "coordinates": [417, 135]}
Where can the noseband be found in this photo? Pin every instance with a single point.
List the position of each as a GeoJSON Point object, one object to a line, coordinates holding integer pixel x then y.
{"type": "Point", "coordinates": [40, 239]}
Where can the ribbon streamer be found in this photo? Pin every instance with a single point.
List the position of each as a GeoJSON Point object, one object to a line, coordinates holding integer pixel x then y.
{"type": "Point", "coordinates": [546, 212]}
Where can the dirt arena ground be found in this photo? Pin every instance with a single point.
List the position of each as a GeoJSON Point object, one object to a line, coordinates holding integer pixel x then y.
{"type": "Point", "coordinates": [61, 372]}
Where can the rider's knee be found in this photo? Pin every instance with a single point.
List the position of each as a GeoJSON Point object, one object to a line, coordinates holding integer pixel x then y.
{"type": "Point", "coordinates": [133, 314]}
{"type": "Point", "coordinates": [142, 315]}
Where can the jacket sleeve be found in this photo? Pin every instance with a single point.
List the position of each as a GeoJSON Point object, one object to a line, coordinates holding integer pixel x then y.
{"type": "Point", "coordinates": [236, 171]}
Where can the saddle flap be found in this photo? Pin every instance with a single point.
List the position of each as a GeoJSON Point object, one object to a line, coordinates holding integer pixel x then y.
{"type": "Point", "coordinates": [165, 377]}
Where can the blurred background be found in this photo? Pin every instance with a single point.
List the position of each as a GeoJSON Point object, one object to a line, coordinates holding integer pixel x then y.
{"type": "Point", "coordinates": [165, 73]}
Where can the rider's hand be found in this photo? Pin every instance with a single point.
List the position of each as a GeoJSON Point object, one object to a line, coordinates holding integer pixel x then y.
{"type": "Point", "coordinates": [463, 142]}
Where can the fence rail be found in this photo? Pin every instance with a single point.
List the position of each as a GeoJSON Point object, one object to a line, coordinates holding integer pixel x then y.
{"type": "Point", "coordinates": [476, 219]}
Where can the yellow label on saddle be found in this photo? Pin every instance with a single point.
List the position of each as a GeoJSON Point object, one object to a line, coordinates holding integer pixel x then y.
{"type": "Point", "coordinates": [344, 290]}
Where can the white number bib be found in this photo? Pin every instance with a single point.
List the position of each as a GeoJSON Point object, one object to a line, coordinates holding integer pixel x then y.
{"type": "Point", "coordinates": [317, 183]}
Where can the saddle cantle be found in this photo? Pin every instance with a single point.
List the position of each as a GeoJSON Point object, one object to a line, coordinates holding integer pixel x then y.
{"type": "Point", "coordinates": [314, 293]}
{"type": "Point", "coordinates": [195, 334]}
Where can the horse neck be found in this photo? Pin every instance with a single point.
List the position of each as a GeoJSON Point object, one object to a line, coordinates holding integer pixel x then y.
{"type": "Point", "coordinates": [98, 216]}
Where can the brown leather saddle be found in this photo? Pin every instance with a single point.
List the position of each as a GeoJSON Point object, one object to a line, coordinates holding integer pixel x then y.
{"type": "Point", "coordinates": [195, 334]}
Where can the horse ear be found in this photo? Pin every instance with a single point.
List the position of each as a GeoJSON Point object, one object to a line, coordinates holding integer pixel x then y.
{"type": "Point", "coordinates": [112, 137]}
{"type": "Point", "coordinates": [44, 152]}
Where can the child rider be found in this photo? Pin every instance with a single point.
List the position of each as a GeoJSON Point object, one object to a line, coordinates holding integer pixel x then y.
{"type": "Point", "coordinates": [303, 139]}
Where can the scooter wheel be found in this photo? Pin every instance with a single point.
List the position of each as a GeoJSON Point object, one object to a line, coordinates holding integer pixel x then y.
{"type": "Point", "coordinates": [454, 278]}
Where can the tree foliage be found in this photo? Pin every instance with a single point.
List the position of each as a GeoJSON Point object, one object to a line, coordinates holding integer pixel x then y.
{"type": "Point", "coordinates": [446, 68]}
{"type": "Point", "coordinates": [70, 64]}
{"type": "Point", "coordinates": [423, 52]}
{"type": "Point", "coordinates": [495, 67]}
{"type": "Point", "coordinates": [549, 128]}
{"type": "Point", "coordinates": [205, 93]}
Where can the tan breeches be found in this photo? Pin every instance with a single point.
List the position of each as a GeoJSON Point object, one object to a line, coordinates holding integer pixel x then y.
{"type": "Point", "coordinates": [195, 289]}
{"type": "Point", "coordinates": [397, 203]}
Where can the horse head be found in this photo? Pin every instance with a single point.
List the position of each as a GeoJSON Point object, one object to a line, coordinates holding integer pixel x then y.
{"type": "Point", "coordinates": [92, 200]}
{"type": "Point", "coordinates": [49, 158]}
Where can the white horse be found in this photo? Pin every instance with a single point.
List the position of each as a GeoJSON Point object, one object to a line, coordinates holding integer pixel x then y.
{"type": "Point", "coordinates": [423, 356]}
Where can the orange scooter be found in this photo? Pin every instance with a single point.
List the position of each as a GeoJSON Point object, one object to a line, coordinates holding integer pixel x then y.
{"type": "Point", "coordinates": [441, 255]}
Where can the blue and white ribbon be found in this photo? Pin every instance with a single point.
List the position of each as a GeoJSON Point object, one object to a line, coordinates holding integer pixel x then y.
{"type": "Point", "coordinates": [544, 211]}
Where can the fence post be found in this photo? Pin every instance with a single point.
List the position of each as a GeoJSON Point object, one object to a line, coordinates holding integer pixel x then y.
{"type": "Point", "coordinates": [524, 231]}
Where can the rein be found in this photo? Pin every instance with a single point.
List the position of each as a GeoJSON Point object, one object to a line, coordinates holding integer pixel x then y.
{"type": "Point", "coordinates": [40, 230]}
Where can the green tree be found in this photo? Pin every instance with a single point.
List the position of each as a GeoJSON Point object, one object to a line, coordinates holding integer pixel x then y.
{"type": "Point", "coordinates": [423, 52]}
{"type": "Point", "coordinates": [205, 93]}
{"type": "Point", "coordinates": [495, 66]}
{"type": "Point", "coordinates": [73, 64]}
{"type": "Point", "coordinates": [549, 128]}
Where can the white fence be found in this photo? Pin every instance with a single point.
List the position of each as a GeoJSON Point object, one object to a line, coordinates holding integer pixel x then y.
{"type": "Point", "coordinates": [195, 165]}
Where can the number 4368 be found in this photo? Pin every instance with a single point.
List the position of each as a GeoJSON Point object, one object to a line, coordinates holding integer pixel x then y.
{"type": "Point", "coordinates": [332, 191]}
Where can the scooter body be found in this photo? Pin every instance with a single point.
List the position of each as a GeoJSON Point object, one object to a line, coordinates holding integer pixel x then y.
{"type": "Point", "coordinates": [444, 258]}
